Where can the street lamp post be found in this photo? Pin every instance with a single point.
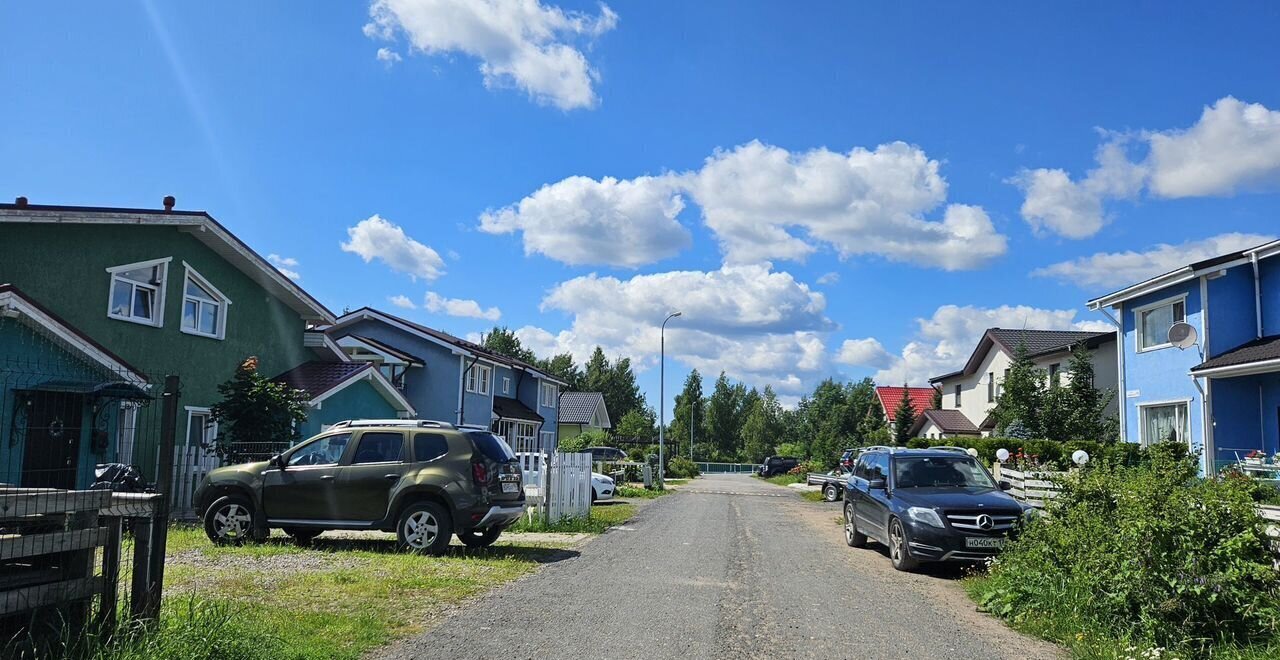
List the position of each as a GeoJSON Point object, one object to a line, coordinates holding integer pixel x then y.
{"type": "Point", "coordinates": [662, 394]}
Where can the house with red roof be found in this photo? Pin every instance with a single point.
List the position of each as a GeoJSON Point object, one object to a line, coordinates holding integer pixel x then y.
{"type": "Point", "coordinates": [891, 397]}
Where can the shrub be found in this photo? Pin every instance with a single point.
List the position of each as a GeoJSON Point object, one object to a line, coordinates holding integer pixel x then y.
{"type": "Point", "coordinates": [679, 467]}
{"type": "Point", "coordinates": [580, 442]}
{"type": "Point", "coordinates": [1144, 552]}
{"type": "Point", "coordinates": [790, 450]}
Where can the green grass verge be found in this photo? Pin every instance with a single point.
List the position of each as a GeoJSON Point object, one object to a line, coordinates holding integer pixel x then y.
{"type": "Point", "coordinates": [783, 479]}
{"type": "Point", "coordinates": [338, 598]}
{"type": "Point", "coordinates": [603, 516]}
{"type": "Point", "coordinates": [643, 493]}
{"type": "Point", "coordinates": [813, 496]}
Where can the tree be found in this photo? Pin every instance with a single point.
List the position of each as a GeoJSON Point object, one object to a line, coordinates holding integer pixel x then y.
{"type": "Point", "coordinates": [1022, 399]}
{"type": "Point", "coordinates": [761, 425]}
{"type": "Point", "coordinates": [256, 414]}
{"type": "Point", "coordinates": [1082, 408]}
{"type": "Point", "coordinates": [504, 341]}
{"type": "Point", "coordinates": [689, 408]}
{"type": "Point", "coordinates": [722, 423]}
{"type": "Point", "coordinates": [563, 367]}
{"type": "Point", "coordinates": [904, 418]}
{"type": "Point", "coordinates": [936, 402]}
{"type": "Point", "coordinates": [636, 423]}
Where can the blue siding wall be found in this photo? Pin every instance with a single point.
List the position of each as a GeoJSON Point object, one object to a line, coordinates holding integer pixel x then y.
{"type": "Point", "coordinates": [1269, 272]}
{"type": "Point", "coordinates": [1236, 416]}
{"type": "Point", "coordinates": [358, 401]}
{"type": "Point", "coordinates": [1161, 375]}
{"type": "Point", "coordinates": [478, 408]}
{"type": "Point", "coordinates": [433, 389]}
{"type": "Point", "coordinates": [1232, 320]}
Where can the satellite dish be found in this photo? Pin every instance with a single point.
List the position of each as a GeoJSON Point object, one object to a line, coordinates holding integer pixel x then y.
{"type": "Point", "coordinates": [1183, 335]}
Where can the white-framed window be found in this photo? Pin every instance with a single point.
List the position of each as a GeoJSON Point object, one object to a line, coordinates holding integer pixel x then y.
{"type": "Point", "coordinates": [1153, 322]}
{"type": "Point", "coordinates": [550, 392]}
{"type": "Point", "coordinates": [126, 431]}
{"type": "Point", "coordinates": [547, 439]}
{"type": "Point", "coordinates": [137, 292]}
{"type": "Point", "coordinates": [478, 378]}
{"type": "Point", "coordinates": [1165, 421]}
{"type": "Point", "coordinates": [204, 308]}
{"type": "Point", "coordinates": [506, 385]}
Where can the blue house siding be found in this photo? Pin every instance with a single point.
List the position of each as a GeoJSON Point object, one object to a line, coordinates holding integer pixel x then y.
{"type": "Point", "coordinates": [358, 401]}
{"type": "Point", "coordinates": [1161, 375]}
{"type": "Point", "coordinates": [1232, 321]}
{"type": "Point", "coordinates": [431, 389]}
{"type": "Point", "coordinates": [1269, 276]}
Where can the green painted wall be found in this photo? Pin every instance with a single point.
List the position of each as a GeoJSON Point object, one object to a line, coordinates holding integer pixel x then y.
{"type": "Point", "coordinates": [570, 431]}
{"type": "Point", "coordinates": [358, 401]}
{"type": "Point", "coordinates": [64, 268]}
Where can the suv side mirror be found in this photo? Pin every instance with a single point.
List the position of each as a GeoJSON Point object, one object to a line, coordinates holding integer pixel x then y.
{"type": "Point", "coordinates": [276, 461]}
{"type": "Point", "coordinates": [1004, 485]}
{"type": "Point", "coordinates": [877, 484]}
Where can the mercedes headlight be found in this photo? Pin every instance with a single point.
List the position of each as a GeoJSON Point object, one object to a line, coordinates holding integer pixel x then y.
{"type": "Point", "coordinates": [925, 515]}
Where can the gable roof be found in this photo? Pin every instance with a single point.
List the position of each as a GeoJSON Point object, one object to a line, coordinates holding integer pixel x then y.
{"type": "Point", "coordinates": [1184, 273]}
{"type": "Point", "coordinates": [322, 379]}
{"type": "Point", "coordinates": [948, 421]}
{"type": "Point", "coordinates": [200, 225]}
{"type": "Point", "coordinates": [32, 312]}
{"type": "Point", "coordinates": [508, 408]}
{"type": "Point", "coordinates": [1258, 356]}
{"type": "Point", "coordinates": [580, 408]}
{"type": "Point", "coordinates": [459, 345]}
{"type": "Point", "coordinates": [382, 347]}
{"type": "Point", "coordinates": [890, 397]}
{"type": "Point", "coordinates": [1039, 343]}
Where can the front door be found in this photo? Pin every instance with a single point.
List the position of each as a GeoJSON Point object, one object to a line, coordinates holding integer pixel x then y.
{"type": "Point", "coordinates": [51, 451]}
{"type": "Point", "coordinates": [367, 481]}
{"type": "Point", "coordinates": [305, 489]}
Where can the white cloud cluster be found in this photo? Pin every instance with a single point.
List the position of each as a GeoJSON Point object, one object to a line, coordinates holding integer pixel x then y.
{"type": "Point", "coordinates": [1116, 269]}
{"type": "Point", "coordinates": [521, 43]}
{"type": "Point", "coordinates": [388, 56]}
{"type": "Point", "coordinates": [288, 266]}
{"type": "Point", "coordinates": [945, 340]}
{"type": "Point", "coordinates": [376, 238]}
{"type": "Point", "coordinates": [464, 308]}
{"type": "Point", "coordinates": [758, 325]}
{"type": "Point", "coordinates": [763, 203]}
{"type": "Point", "coordinates": [402, 301]}
{"type": "Point", "coordinates": [583, 221]}
{"type": "Point", "coordinates": [1234, 146]}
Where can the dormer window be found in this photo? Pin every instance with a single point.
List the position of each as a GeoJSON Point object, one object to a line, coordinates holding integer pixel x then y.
{"type": "Point", "coordinates": [204, 308]}
{"type": "Point", "coordinates": [137, 292]}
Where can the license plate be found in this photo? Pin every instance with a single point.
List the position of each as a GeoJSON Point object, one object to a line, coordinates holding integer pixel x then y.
{"type": "Point", "coordinates": [984, 542]}
{"type": "Point", "coordinates": [509, 487]}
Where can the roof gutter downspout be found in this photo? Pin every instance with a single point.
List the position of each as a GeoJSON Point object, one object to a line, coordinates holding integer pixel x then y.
{"type": "Point", "coordinates": [1257, 293]}
{"type": "Point", "coordinates": [1123, 399]}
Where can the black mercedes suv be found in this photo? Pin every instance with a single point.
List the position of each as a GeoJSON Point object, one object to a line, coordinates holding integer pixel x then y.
{"type": "Point", "coordinates": [935, 504]}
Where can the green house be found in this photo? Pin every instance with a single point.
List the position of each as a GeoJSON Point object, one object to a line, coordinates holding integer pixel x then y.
{"type": "Point", "coordinates": [170, 292]}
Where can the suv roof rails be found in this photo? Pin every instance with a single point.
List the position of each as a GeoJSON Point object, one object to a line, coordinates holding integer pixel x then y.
{"type": "Point", "coordinates": [878, 448]}
{"type": "Point", "coordinates": [950, 448]}
{"type": "Point", "coordinates": [416, 423]}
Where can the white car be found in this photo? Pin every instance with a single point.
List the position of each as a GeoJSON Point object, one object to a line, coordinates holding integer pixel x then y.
{"type": "Point", "coordinates": [602, 487]}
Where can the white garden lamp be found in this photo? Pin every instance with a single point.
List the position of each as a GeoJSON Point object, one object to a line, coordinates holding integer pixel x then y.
{"type": "Point", "coordinates": [1002, 455]}
{"type": "Point", "coordinates": [1080, 457]}
{"type": "Point", "coordinates": [972, 452]}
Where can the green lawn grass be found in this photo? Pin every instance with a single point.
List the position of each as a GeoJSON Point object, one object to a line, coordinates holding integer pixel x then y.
{"type": "Point", "coordinates": [338, 598]}
{"type": "Point", "coordinates": [643, 493]}
{"type": "Point", "coordinates": [603, 516]}
{"type": "Point", "coordinates": [812, 496]}
{"type": "Point", "coordinates": [784, 479]}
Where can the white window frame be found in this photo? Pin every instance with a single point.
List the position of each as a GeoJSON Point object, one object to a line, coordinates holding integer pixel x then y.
{"type": "Point", "coordinates": [506, 384]}
{"type": "Point", "coordinates": [1138, 312]}
{"type": "Point", "coordinates": [126, 431]}
{"type": "Point", "coordinates": [553, 390]}
{"type": "Point", "coordinates": [157, 301]}
{"type": "Point", "coordinates": [1143, 440]}
{"type": "Point", "coordinates": [224, 305]}
{"type": "Point", "coordinates": [479, 385]}
{"type": "Point", "coordinates": [547, 440]}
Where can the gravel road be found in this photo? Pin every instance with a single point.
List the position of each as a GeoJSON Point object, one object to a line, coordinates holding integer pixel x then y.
{"type": "Point", "coordinates": [727, 567]}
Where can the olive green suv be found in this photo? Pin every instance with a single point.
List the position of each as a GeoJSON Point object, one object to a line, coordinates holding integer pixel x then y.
{"type": "Point", "coordinates": [423, 480]}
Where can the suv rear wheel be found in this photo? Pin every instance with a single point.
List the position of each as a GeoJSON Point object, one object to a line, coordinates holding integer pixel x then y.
{"type": "Point", "coordinates": [480, 538]}
{"type": "Point", "coordinates": [898, 553]}
{"type": "Point", "coordinates": [230, 521]}
{"type": "Point", "coordinates": [424, 527]}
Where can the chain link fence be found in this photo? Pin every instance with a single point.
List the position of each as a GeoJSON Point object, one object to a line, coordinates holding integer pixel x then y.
{"type": "Point", "coordinates": [84, 440]}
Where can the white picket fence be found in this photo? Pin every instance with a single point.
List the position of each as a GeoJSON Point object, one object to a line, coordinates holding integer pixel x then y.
{"type": "Point", "coordinates": [1034, 488]}
{"type": "Point", "coordinates": [190, 465]}
{"type": "Point", "coordinates": [556, 486]}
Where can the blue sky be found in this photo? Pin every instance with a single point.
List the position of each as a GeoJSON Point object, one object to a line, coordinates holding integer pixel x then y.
{"type": "Point", "coordinates": [1047, 154]}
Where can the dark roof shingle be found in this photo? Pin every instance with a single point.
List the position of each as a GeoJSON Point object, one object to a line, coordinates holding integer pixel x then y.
{"type": "Point", "coordinates": [1258, 350]}
{"type": "Point", "coordinates": [316, 377]}
{"type": "Point", "coordinates": [1040, 342]}
{"type": "Point", "coordinates": [951, 421]}
{"type": "Point", "coordinates": [508, 408]}
{"type": "Point", "coordinates": [579, 407]}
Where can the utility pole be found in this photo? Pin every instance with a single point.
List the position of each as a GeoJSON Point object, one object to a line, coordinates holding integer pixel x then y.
{"type": "Point", "coordinates": [662, 394]}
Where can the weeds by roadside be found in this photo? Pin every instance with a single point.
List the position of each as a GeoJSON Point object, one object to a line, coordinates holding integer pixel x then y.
{"type": "Point", "coordinates": [602, 518]}
{"type": "Point", "coordinates": [641, 493]}
{"type": "Point", "coordinates": [813, 495]}
{"type": "Point", "coordinates": [783, 479]}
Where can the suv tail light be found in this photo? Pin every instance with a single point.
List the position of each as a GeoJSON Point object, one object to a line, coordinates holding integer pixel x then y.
{"type": "Point", "coordinates": [480, 473]}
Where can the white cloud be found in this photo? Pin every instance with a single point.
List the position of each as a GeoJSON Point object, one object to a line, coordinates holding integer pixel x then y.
{"type": "Point", "coordinates": [583, 221]}
{"type": "Point", "coordinates": [376, 238]}
{"type": "Point", "coordinates": [945, 340]}
{"type": "Point", "coordinates": [756, 324]}
{"type": "Point", "coordinates": [521, 43]}
{"type": "Point", "coordinates": [388, 56]}
{"type": "Point", "coordinates": [829, 278]}
{"type": "Point", "coordinates": [765, 203]}
{"type": "Point", "coordinates": [1121, 268]}
{"type": "Point", "coordinates": [864, 353]}
{"type": "Point", "coordinates": [402, 301]}
{"type": "Point", "coordinates": [470, 309]}
{"type": "Point", "coordinates": [1234, 146]}
{"type": "Point", "coordinates": [286, 265]}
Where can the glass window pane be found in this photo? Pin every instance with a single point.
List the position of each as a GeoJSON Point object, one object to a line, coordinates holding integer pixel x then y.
{"type": "Point", "coordinates": [428, 446]}
{"type": "Point", "coordinates": [196, 430]}
{"type": "Point", "coordinates": [189, 308]}
{"type": "Point", "coordinates": [209, 318]}
{"type": "Point", "coordinates": [142, 302]}
{"type": "Point", "coordinates": [379, 447]}
{"type": "Point", "coordinates": [324, 451]}
{"type": "Point", "coordinates": [149, 275]}
{"type": "Point", "coordinates": [194, 290]}
{"type": "Point", "coordinates": [1155, 326]}
{"type": "Point", "coordinates": [121, 293]}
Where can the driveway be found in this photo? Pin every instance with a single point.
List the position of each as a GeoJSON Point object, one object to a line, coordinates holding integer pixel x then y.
{"type": "Point", "coordinates": [726, 567]}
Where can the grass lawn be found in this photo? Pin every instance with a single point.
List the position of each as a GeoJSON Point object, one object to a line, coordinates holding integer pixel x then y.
{"type": "Point", "coordinates": [642, 493]}
{"type": "Point", "coordinates": [784, 479]}
{"type": "Point", "coordinates": [812, 496]}
{"type": "Point", "coordinates": [338, 598]}
{"type": "Point", "coordinates": [603, 516]}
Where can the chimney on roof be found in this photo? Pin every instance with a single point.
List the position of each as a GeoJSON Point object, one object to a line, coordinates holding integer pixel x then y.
{"type": "Point", "coordinates": [20, 202]}
{"type": "Point", "coordinates": [169, 201]}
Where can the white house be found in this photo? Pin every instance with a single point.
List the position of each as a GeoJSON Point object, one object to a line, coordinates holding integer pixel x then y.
{"type": "Point", "coordinates": [973, 390]}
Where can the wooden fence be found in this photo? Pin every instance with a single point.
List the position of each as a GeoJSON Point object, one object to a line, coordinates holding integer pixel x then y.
{"type": "Point", "coordinates": [556, 486]}
{"type": "Point", "coordinates": [190, 465]}
{"type": "Point", "coordinates": [1034, 488]}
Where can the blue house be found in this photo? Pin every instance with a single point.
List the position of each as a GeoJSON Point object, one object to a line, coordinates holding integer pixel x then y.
{"type": "Point", "coordinates": [1222, 394]}
{"type": "Point", "coordinates": [450, 379]}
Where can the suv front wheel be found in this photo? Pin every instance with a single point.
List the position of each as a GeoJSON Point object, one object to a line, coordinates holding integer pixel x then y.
{"type": "Point", "coordinates": [230, 521]}
{"type": "Point", "coordinates": [424, 527]}
{"type": "Point", "coordinates": [899, 556]}
{"type": "Point", "coordinates": [852, 537]}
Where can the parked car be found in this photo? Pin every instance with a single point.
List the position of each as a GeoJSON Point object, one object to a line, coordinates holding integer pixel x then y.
{"type": "Point", "coordinates": [423, 480]}
{"type": "Point", "coordinates": [847, 457]}
{"type": "Point", "coordinates": [928, 505]}
{"type": "Point", "coordinates": [603, 454]}
{"type": "Point", "coordinates": [833, 483]}
{"type": "Point", "coordinates": [775, 465]}
{"type": "Point", "coordinates": [602, 487]}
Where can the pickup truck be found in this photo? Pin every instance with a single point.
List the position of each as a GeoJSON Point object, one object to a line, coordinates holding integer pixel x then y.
{"type": "Point", "coordinates": [833, 483]}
